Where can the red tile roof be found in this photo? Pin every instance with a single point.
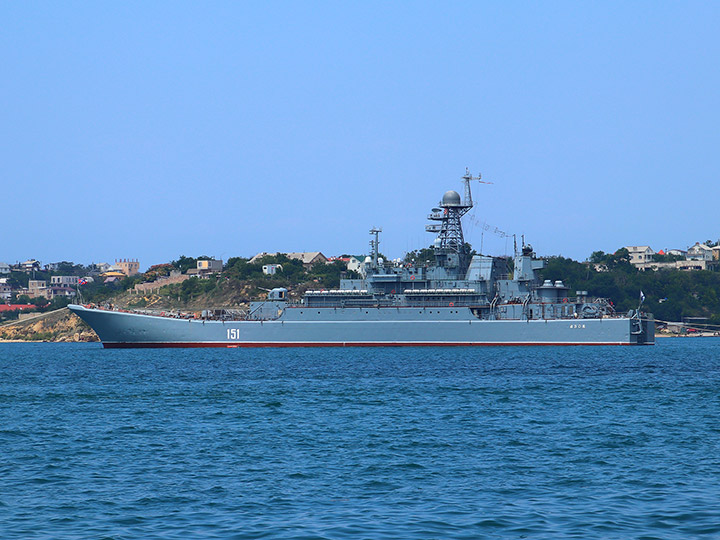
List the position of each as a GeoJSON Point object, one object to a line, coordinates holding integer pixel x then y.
{"type": "Point", "coordinates": [14, 307]}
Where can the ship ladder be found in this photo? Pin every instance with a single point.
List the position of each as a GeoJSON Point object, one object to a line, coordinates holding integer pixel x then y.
{"type": "Point", "coordinates": [525, 307]}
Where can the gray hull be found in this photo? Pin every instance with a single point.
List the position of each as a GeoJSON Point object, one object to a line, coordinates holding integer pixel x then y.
{"type": "Point", "coordinates": [338, 327]}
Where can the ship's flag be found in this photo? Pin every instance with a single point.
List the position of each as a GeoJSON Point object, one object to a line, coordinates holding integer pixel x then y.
{"type": "Point", "coordinates": [82, 281]}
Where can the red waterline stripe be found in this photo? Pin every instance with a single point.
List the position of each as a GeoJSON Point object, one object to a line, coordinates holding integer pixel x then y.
{"type": "Point", "coordinates": [347, 344]}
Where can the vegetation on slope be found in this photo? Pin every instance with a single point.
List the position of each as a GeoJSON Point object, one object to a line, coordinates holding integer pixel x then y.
{"type": "Point", "coordinates": [669, 294]}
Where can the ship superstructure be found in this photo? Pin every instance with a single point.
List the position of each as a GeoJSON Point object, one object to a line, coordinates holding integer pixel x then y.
{"type": "Point", "coordinates": [462, 299]}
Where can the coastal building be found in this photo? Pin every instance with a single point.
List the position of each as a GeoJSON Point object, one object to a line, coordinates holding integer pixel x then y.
{"type": "Point", "coordinates": [38, 288]}
{"type": "Point", "coordinates": [30, 265]}
{"type": "Point", "coordinates": [205, 267]}
{"type": "Point", "coordinates": [716, 253]}
{"type": "Point", "coordinates": [61, 291]}
{"type": "Point", "coordinates": [99, 268]}
{"type": "Point", "coordinates": [129, 267]}
{"type": "Point", "coordinates": [308, 258]}
{"type": "Point", "coordinates": [5, 291]}
{"type": "Point", "coordinates": [694, 264]}
{"type": "Point", "coordinates": [639, 255]}
{"type": "Point", "coordinates": [676, 252]}
{"type": "Point", "coordinates": [700, 252]}
{"type": "Point", "coordinates": [63, 281]}
{"type": "Point", "coordinates": [256, 258]}
{"type": "Point", "coordinates": [4, 268]}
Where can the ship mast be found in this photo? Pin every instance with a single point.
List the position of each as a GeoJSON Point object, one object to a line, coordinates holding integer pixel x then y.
{"type": "Point", "coordinates": [375, 245]}
{"type": "Point", "coordinates": [449, 246]}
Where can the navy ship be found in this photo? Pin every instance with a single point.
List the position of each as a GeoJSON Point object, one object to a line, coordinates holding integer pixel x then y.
{"type": "Point", "coordinates": [463, 299]}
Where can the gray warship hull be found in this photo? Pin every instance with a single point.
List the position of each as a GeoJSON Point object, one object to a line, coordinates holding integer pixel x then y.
{"type": "Point", "coordinates": [353, 327]}
{"type": "Point", "coordinates": [463, 299]}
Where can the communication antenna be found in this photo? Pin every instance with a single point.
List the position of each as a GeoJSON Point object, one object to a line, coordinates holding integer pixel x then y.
{"type": "Point", "coordinates": [466, 180]}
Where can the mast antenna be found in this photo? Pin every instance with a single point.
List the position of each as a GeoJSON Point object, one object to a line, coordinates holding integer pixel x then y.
{"type": "Point", "coordinates": [467, 177]}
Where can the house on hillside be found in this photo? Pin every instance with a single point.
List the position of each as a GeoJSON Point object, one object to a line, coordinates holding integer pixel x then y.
{"type": "Point", "coordinates": [700, 252]}
{"type": "Point", "coordinates": [129, 267]}
{"type": "Point", "coordinates": [256, 258]}
{"type": "Point", "coordinates": [61, 291]}
{"type": "Point", "coordinates": [308, 258]}
{"type": "Point", "coordinates": [30, 265]}
{"type": "Point", "coordinates": [38, 288]}
{"type": "Point", "coordinates": [640, 255]}
{"type": "Point", "coordinates": [4, 268]}
{"type": "Point", "coordinates": [99, 268]}
{"type": "Point", "coordinates": [5, 290]}
{"type": "Point", "coordinates": [677, 252]}
{"type": "Point", "coordinates": [205, 267]}
{"type": "Point", "coordinates": [64, 281]}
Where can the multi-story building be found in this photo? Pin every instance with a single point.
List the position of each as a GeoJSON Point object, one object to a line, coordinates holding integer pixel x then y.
{"type": "Point", "coordinates": [58, 290]}
{"type": "Point", "coordinates": [700, 252]}
{"type": "Point", "coordinates": [129, 267]}
{"type": "Point", "coordinates": [640, 255]}
{"type": "Point", "coordinates": [38, 288]}
{"type": "Point", "coordinates": [5, 290]}
{"type": "Point", "coordinates": [205, 267]}
{"type": "Point", "coordinates": [63, 281]}
{"type": "Point", "coordinates": [4, 268]}
{"type": "Point", "coordinates": [30, 265]}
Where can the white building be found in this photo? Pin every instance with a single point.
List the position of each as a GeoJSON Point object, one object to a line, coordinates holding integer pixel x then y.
{"type": "Point", "coordinates": [700, 252]}
{"type": "Point", "coordinates": [5, 291]}
{"type": "Point", "coordinates": [272, 269]}
{"type": "Point", "coordinates": [63, 281]}
{"type": "Point", "coordinates": [4, 268]}
{"type": "Point", "coordinates": [676, 252]}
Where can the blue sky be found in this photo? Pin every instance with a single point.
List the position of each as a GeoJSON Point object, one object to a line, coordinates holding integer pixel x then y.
{"type": "Point", "coordinates": [151, 130]}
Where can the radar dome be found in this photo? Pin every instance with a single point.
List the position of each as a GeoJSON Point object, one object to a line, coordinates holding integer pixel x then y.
{"type": "Point", "coordinates": [451, 198]}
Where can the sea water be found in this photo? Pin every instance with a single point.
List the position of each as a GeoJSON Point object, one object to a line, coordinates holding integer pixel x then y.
{"type": "Point", "coordinates": [568, 442]}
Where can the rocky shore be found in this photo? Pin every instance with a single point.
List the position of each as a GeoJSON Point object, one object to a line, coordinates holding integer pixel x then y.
{"type": "Point", "coordinates": [56, 326]}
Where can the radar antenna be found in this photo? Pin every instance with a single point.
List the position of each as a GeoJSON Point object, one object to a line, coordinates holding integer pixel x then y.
{"type": "Point", "coordinates": [450, 248]}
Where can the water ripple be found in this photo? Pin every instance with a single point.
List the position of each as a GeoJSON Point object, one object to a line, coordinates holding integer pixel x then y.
{"type": "Point", "coordinates": [342, 444]}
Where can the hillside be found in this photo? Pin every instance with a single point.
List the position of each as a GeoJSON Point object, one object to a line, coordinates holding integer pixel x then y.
{"type": "Point", "coordinates": [59, 326]}
{"type": "Point", "coordinates": [670, 295]}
